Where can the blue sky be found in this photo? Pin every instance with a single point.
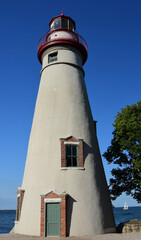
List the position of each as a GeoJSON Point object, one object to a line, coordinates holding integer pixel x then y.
{"type": "Point", "coordinates": [112, 30]}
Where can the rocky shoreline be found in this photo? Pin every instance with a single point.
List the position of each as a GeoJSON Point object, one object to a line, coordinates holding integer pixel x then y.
{"type": "Point", "coordinates": [133, 225]}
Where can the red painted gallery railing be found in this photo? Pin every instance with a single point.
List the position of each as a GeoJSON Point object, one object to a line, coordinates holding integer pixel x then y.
{"type": "Point", "coordinates": [77, 38]}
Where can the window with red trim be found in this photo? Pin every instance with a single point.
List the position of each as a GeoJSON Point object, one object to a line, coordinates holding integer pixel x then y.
{"type": "Point", "coordinates": [71, 152]}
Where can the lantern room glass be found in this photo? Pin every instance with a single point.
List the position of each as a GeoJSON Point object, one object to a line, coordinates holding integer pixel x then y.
{"type": "Point", "coordinates": [62, 23]}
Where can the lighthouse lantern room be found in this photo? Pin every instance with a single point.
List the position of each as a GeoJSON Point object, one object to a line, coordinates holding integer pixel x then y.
{"type": "Point", "coordinates": [64, 190]}
{"type": "Point", "coordinates": [62, 31]}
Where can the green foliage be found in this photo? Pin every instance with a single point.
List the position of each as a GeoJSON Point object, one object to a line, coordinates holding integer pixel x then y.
{"type": "Point", "coordinates": [125, 151]}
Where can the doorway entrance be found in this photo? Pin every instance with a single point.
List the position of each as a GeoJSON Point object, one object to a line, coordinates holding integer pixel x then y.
{"type": "Point", "coordinates": [53, 214]}
{"type": "Point", "coordinates": [52, 219]}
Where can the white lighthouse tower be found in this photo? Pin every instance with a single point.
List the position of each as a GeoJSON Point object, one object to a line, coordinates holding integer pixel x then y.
{"type": "Point", "coordinates": [64, 190]}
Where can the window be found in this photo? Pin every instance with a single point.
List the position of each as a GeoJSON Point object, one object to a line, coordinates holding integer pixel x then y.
{"type": "Point", "coordinates": [72, 153]}
{"type": "Point", "coordinates": [71, 26]}
{"type": "Point", "coordinates": [52, 57]}
{"type": "Point", "coordinates": [20, 196]}
{"type": "Point", "coordinates": [18, 208]}
{"type": "Point", "coordinates": [71, 156]}
{"type": "Point", "coordinates": [56, 24]}
{"type": "Point", "coordinates": [64, 23]}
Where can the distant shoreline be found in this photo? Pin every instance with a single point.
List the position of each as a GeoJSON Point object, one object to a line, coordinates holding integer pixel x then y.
{"type": "Point", "coordinates": [7, 209]}
{"type": "Point", "coordinates": [112, 205]}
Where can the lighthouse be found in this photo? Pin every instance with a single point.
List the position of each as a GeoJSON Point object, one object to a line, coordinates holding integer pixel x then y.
{"type": "Point", "coordinates": [64, 190]}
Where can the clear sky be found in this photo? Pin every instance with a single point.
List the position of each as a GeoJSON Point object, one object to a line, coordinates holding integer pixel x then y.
{"type": "Point", "coordinates": [112, 30]}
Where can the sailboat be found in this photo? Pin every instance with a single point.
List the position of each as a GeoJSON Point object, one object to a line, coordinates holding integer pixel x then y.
{"type": "Point", "coordinates": [125, 206]}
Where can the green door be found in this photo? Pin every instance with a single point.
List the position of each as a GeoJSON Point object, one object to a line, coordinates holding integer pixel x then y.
{"type": "Point", "coordinates": [52, 226]}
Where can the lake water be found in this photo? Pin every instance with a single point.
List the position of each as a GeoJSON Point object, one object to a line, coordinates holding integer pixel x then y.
{"type": "Point", "coordinates": [7, 217]}
{"type": "Point", "coordinates": [126, 215]}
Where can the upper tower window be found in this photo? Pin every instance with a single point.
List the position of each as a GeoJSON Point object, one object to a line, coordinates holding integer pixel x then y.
{"type": "Point", "coordinates": [52, 57]}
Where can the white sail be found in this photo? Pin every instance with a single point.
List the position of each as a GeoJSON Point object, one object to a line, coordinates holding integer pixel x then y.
{"type": "Point", "coordinates": [125, 206]}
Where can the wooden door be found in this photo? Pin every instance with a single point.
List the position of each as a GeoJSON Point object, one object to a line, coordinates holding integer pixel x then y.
{"type": "Point", "coordinates": [52, 226]}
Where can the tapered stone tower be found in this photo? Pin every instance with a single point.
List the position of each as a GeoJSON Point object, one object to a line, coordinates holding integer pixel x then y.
{"type": "Point", "coordinates": [64, 190]}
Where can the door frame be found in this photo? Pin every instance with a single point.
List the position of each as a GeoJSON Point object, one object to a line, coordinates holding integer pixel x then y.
{"type": "Point", "coordinates": [53, 197]}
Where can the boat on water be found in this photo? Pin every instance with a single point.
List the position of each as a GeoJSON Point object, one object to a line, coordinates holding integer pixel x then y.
{"type": "Point", "coordinates": [125, 206]}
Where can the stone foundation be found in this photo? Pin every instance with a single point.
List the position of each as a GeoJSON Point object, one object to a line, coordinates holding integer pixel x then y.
{"type": "Point", "coordinates": [131, 226]}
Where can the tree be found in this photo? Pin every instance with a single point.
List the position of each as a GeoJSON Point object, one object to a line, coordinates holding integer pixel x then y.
{"type": "Point", "coordinates": [125, 153]}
